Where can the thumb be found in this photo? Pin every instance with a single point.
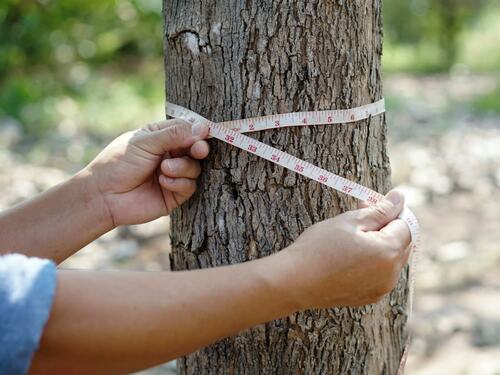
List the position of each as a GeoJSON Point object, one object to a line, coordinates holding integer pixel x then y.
{"type": "Point", "coordinates": [179, 135]}
{"type": "Point", "coordinates": [378, 216]}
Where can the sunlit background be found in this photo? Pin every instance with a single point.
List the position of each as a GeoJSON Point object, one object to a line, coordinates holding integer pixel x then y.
{"type": "Point", "coordinates": [74, 74]}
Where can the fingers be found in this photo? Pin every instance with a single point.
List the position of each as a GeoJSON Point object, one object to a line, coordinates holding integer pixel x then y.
{"type": "Point", "coordinates": [362, 204]}
{"type": "Point", "coordinates": [198, 130]}
{"type": "Point", "coordinates": [185, 187]}
{"type": "Point", "coordinates": [181, 167]}
{"type": "Point", "coordinates": [173, 137]}
{"type": "Point", "coordinates": [155, 126]}
{"type": "Point", "coordinates": [199, 150]}
{"type": "Point", "coordinates": [170, 135]}
{"type": "Point", "coordinates": [375, 217]}
{"type": "Point", "coordinates": [398, 234]}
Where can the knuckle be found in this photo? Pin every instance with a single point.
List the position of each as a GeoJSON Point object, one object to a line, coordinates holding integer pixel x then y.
{"type": "Point", "coordinates": [380, 212]}
{"type": "Point", "coordinates": [176, 130]}
{"type": "Point", "coordinates": [180, 124]}
{"type": "Point", "coordinates": [153, 126]}
{"type": "Point", "coordinates": [135, 138]}
{"type": "Point", "coordinates": [129, 136]}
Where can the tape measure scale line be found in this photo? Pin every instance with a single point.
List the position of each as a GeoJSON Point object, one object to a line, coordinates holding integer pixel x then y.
{"type": "Point", "coordinates": [309, 170]}
{"type": "Point", "coordinates": [230, 132]}
{"type": "Point", "coordinates": [331, 117]}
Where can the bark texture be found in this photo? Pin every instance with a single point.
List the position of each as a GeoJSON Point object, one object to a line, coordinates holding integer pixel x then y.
{"type": "Point", "coordinates": [235, 59]}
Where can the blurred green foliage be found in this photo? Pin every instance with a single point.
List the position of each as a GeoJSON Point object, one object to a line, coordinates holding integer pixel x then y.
{"type": "Point", "coordinates": [62, 59]}
{"type": "Point", "coordinates": [488, 102]}
{"type": "Point", "coordinates": [435, 35]}
{"type": "Point", "coordinates": [46, 34]}
{"type": "Point", "coordinates": [87, 70]}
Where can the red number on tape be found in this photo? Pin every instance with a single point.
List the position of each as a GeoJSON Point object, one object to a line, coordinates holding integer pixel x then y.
{"type": "Point", "coordinates": [251, 127]}
{"type": "Point", "coordinates": [323, 178]}
{"type": "Point", "coordinates": [277, 123]}
{"type": "Point", "coordinates": [299, 168]}
{"type": "Point", "coordinates": [329, 119]}
{"type": "Point", "coordinates": [229, 138]}
{"type": "Point", "coordinates": [275, 157]}
{"type": "Point", "coordinates": [252, 148]}
{"type": "Point", "coordinates": [346, 189]}
{"type": "Point", "coordinates": [372, 200]}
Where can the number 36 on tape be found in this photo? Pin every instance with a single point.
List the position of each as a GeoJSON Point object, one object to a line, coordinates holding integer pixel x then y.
{"type": "Point", "coordinates": [230, 132]}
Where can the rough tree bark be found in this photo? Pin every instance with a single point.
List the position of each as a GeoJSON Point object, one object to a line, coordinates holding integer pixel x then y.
{"type": "Point", "coordinates": [235, 59]}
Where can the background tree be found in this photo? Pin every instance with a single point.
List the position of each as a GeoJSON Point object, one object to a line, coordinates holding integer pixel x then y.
{"type": "Point", "coordinates": [236, 59]}
{"type": "Point", "coordinates": [433, 25]}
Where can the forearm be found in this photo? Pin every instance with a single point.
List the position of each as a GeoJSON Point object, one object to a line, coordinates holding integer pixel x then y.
{"type": "Point", "coordinates": [118, 322]}
{"type": "Point", "coordinates": [56, 223]}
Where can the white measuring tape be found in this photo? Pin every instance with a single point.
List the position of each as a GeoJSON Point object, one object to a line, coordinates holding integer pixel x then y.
{"type": "Point", "coordinates": [230, 132]}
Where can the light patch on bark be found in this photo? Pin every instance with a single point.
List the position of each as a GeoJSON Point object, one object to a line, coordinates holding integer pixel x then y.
{"type": "Point", "coordinates": [191, 41]}
{"type": "Point", "coordinates": [215, 32]}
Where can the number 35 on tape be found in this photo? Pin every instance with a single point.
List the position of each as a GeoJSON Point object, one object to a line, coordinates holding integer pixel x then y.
{"type": "Point", "coordinates": [230, 132]}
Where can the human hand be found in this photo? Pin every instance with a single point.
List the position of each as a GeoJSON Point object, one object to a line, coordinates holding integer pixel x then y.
{"type": "Point", "coordinates": [147, 173]}
{"type": "Point", "coordinates": [353, 259]}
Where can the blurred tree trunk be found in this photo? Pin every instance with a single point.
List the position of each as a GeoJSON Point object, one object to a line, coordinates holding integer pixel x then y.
{"type": "Point", "coordinates": [235, 59]}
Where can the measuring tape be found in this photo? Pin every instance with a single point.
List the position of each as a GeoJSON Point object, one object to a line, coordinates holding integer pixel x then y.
{"type": "Point", "coordinates": [231, 132]}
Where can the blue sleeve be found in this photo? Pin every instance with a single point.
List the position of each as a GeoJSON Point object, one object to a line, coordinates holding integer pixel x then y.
{"type": "Point", "coordinates": [27, 288]}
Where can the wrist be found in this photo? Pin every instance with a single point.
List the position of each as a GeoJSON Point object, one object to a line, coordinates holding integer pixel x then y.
{"type": "Point", "coordinates": [286, 271]}
{"type": "Point", "coordinates": [93, 199]}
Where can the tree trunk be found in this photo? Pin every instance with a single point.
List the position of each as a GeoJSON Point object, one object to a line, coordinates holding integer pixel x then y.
{"type": "Point", "coordinates": [236, 59]}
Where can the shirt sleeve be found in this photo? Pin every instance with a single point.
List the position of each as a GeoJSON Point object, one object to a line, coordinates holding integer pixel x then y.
{"type": "Point", "coordinates": [27, 288]}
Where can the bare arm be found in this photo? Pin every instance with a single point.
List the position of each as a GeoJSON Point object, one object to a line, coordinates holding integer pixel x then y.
{"type": "Point", "coordinates": [118, 322]}
{"type": "Point", "coordinates": [56, 223]}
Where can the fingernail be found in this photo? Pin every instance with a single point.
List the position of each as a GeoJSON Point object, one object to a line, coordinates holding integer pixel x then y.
{"type": "Point", "coordinates": [394, 197]}
{"type": "Point", "coordinates": [172, 165]}
{"type": "Point", "coordinates": [198, 129]}
{"type": "Point", "coordinates": [169, 180]}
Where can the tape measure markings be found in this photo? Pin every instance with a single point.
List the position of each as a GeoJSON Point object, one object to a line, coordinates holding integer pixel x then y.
{"type": "Point", "coordinates": [230, 132]}
{"type": "Point", "coordinates": [331, 117]}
